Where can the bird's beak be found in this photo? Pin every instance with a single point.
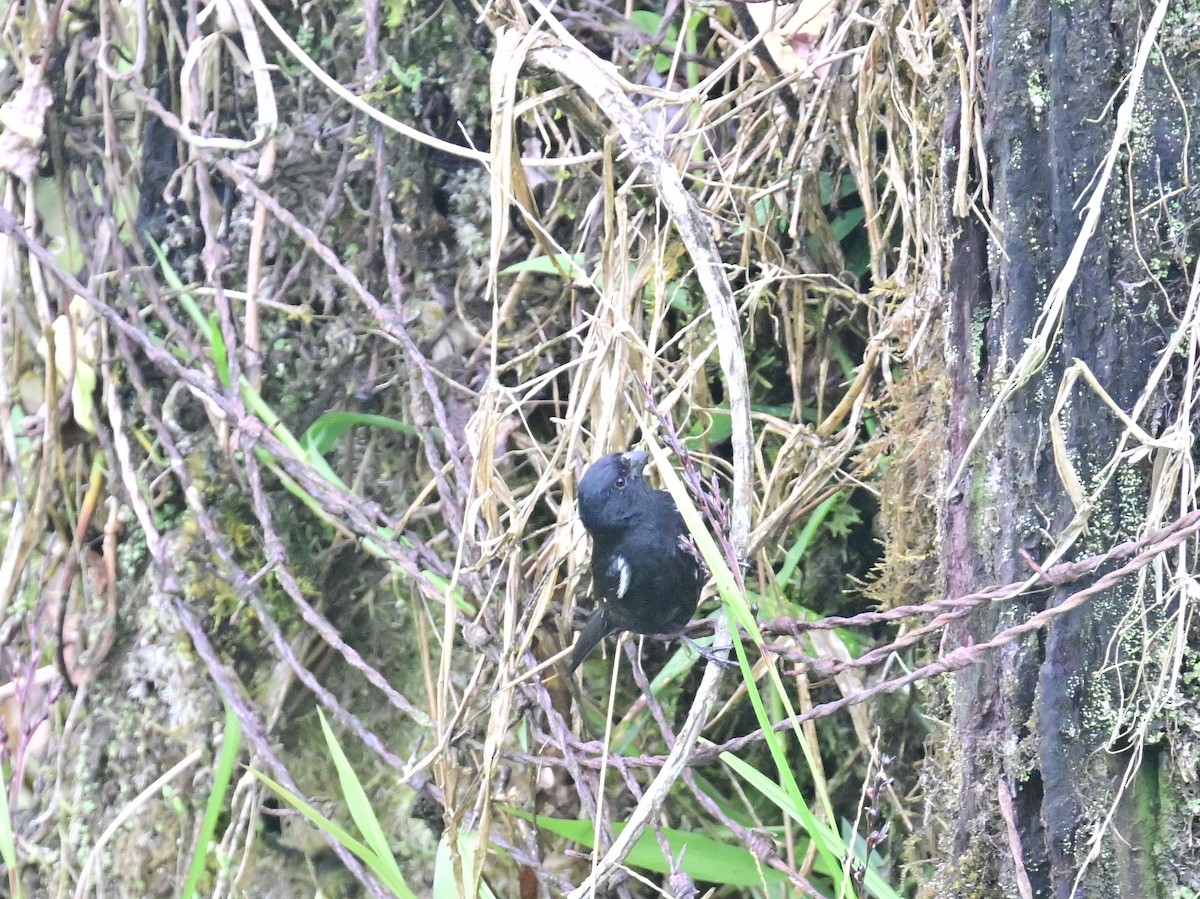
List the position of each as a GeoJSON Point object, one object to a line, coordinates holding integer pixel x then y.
{"type": "Point", "coordinates": [637, 460]}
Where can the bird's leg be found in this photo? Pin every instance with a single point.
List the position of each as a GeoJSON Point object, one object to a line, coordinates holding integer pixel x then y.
{"type": "Point", "coordinates": [719, 656]}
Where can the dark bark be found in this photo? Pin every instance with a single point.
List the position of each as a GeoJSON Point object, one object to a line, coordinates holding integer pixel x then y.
{"type": "Point", "coordinates": [1036, 719]}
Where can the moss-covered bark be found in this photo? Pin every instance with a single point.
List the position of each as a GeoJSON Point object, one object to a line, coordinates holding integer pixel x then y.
{"type": "Point", "coordinates": [1055, 720]}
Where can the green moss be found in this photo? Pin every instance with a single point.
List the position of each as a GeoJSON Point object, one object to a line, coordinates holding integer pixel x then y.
{"type": "Point", "coordinates": [1039, 94]}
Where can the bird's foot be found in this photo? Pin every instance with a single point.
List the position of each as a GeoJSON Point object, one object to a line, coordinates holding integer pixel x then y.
{"type": "Point", "coordinates": [718, 655]}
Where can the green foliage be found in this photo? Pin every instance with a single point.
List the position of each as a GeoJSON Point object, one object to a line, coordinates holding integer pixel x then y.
{"type": "Point", "coordinates": [716, 426]}
{"type": "Point", "coordinates": [835, 515]}
{"type": "Point", "coordinates": [8, 843]}
{"type": "Point", "coordinates": [842, 209]}
{"type": "Point", "coordinates": [830, 844]}
{"type": "Point", "coordinates": [676, 292]}
{"type": "Point", "coordinates": [222, 777]}
{"type": "Point", "coordinates": [373, 849]}
{"type": "Point", "coordinates": [651, 22]}
{"type": "Point", "coordinates": [409, 77]}
{"type": "Point", "coordinates": [445, 883]}
{"type": "Point", "coordinates": [320, 435]}
{"type": "Point", "coordinates": [782, 790]}
{"type": "Point", "coordinates": [371, 844]}
{"type": "Point", "coordinates": [700, 857]}
{"type": "Point", "coordinates": [396, 12]}
{"type": "Point", "coordinates": [323, 433]}
{"type": "Point", "coordinates": [567, 265]}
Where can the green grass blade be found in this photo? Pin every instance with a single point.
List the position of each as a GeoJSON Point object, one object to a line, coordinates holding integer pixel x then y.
{"type": "Point", "coordinates": [363, 852]}
{"type": "Point", "coordinates": [360, 808]}
{"type": "Point", "coordinates": [8, 840]}
{"type": "Point", "coordinates": [222, 776]}
{"type": "Point", "coordinates": [702, 857]}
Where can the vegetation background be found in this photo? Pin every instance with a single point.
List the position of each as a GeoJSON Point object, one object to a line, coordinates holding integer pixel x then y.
{"type": "Point", "coordinates": [311, 315]}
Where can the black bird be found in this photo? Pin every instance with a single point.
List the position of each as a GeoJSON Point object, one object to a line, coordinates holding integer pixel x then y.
{"type": "Point", "coordinates": [643, 579]}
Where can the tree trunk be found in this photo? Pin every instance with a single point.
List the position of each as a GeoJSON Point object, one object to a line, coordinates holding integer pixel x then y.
{"type": "Point", "coordinates": [1057, 752]}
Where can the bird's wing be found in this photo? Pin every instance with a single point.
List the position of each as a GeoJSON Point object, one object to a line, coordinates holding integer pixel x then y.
{"type": "Point", "coordinates": [620, 572]}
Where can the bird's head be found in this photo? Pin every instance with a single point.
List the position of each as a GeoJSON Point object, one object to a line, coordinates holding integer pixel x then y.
{"type": "Point", "coordinates": [612, 489]}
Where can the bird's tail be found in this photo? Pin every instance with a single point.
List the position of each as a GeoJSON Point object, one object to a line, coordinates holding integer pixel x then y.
{"type": "Point", "coordinates": [597, 628]}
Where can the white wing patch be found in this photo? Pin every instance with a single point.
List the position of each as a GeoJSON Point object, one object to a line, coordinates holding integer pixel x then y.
{"type": "Point", "coordinates": [620, 568]}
